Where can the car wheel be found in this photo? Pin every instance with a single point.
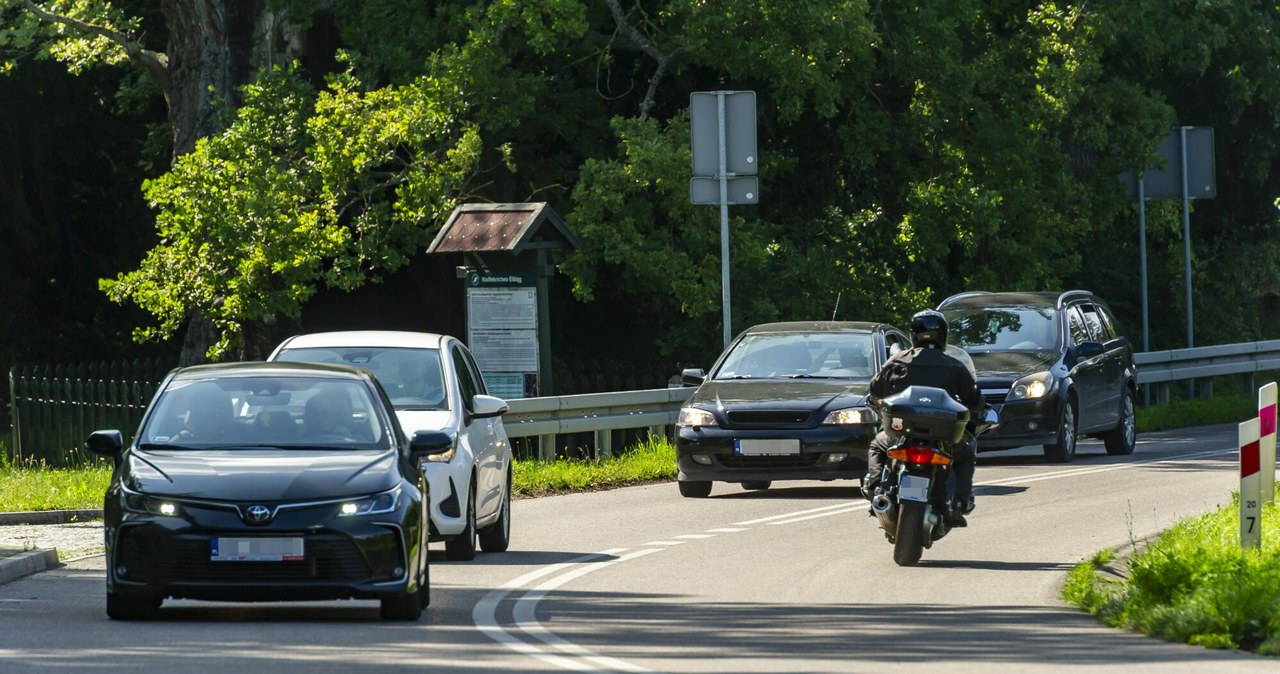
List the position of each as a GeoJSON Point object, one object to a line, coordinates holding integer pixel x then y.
{"type": "Point", "coordinates": [407, 606]}
{"type": "Point", "coordinates": [462, 548]}
{"type": "Point", "coordinates": [1121, 440]}
{"type": "Point", "coordinates": [131, 605]}
{"type": "Point", "coordinates": [695, 489]}
{"type": "Point", "coordinates": [1063, 450]}
{"type": "Point", "coordinates": [497, 536]}
{"type": "Point", "coordinates": [756, 485]}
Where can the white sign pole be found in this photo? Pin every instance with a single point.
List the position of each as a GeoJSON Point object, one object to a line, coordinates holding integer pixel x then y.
{"type": "Point", "coordinates": [1250, 486]}
{"type": "Point", "coordinates": [1267, 443]}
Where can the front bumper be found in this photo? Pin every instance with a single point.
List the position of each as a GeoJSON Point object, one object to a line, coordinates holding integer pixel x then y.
{"type": "Point", "coordinates": [1024, 422]}
{"type": "Point", "coordinates": [817, 459]}
{"type": "Point", "coordinates": [359, 557]}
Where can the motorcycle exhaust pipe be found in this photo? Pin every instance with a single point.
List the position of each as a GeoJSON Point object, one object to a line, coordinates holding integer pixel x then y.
{"type": "Point", "coordinates": [886, 513]}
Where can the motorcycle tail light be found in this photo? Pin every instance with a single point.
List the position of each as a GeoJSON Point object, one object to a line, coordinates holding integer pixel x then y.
{"type": "Point", "coordinates": [919, 454]}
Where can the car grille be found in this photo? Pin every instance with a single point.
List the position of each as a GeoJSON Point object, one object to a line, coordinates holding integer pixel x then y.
{"type": "Point", "coordinates": [764, 462]}
{"type": "Point", "coordinates": [995, 397]}
{"type": "Point", "coordinates": [770, 418]}
{"type": "Point", "coordinates": [329, 558]}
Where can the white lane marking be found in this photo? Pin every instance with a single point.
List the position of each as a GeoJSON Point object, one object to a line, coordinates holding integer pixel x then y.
{"type": "Point", "coordinates": [484, 615]}
{"type": "Point", "coordinates": [794, 514]}
{"type": "Point", "coordinates": [524, 614]}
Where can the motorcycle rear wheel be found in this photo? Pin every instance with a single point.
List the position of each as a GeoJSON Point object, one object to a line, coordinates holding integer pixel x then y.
{"type": "Point", "coordinates": [908, 545]}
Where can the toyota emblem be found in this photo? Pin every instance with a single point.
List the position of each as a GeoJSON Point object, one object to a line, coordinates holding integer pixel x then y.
{"type": "Point", "coordinates": [257, 514]}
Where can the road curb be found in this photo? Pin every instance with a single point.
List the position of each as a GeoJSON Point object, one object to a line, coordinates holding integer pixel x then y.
{"type": "Point", "coordinates": [27, 563]}
{"type": "Point", "coordinates": [49, 517]}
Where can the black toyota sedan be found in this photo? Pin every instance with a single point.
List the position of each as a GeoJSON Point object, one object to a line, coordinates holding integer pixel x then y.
{"type": "Point", "coordinates": [785, 401]}
{"type": "Point", "coordinates": [266, 482]}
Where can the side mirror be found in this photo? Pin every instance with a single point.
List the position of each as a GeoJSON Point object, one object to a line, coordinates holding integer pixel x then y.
{"type": "Point", "coordinates": [693, 376]}
{"type": "Point", "coordinates": [106, 443]}
{"type": "Point", "coordinates": [483, 406]}
{"type": "Point", "coordinates": [1087, 350]}
{"type": "Point", "coordinates": [427, 444]}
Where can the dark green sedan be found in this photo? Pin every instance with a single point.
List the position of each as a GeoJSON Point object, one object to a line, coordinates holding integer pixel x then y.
{"type": "Point", "coordinates": [785, 401]}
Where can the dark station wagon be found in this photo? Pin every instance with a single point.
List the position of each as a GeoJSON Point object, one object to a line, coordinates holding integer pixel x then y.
{"type": "Point", "coordinates": [785, 401]}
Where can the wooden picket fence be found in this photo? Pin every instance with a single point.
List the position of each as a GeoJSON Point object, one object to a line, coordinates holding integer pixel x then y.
{"type": "Point", "coordinates": [54, 408]}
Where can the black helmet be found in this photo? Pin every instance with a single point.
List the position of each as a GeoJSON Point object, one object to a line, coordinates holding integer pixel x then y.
{"type": "Point", "coordinates": [929, 327]}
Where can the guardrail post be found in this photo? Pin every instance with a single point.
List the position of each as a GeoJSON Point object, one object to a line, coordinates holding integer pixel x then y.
{"type": "Point", "coordinates": [1248, 382]}
{"type": "Point", "coordinates": [547, 447]}
{"type": "Point", "coordinates": [604, 443]}
{"type": "Point", "coordinates": [1206, 389]}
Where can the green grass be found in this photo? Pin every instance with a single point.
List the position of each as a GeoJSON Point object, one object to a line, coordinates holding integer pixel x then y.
{"type": "Point", "coordinates": [1184, 413]}
{"type": "Point", "coordinates": [1193, 584]}
{"type": "Point", "coordinates": [650, 461]}
{"type": "Point", "coordinates": [38, 487]}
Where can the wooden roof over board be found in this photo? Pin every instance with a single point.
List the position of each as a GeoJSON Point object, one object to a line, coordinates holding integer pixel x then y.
{"type": "Point", "coordinates": [485, 228]}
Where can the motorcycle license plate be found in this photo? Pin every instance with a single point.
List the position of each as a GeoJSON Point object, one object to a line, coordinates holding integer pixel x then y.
{"type": "Point", "coordinates": [913, 488]}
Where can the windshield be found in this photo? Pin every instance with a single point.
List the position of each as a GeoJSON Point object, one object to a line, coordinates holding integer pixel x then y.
{"type": "Point", "coordinates": [265, 411]}
{"type": "Point", "coordinates": [1004, 329]}
{"type": "Point", "coordinates": [411, 377]}
{"type": "Point", "coordinates": [796, 354]}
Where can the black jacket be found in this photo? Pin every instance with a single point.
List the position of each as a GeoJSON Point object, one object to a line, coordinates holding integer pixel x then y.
{"type": "Point", "coordinates": [926, 366]}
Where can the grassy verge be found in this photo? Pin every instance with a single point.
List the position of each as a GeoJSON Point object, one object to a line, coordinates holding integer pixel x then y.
{"type": "Point", "coordinates": [36, 487]}
{"type": "Point", "coordinates": [1184, 413]}
{"type": "Point", "coordinates": [1193, 584]}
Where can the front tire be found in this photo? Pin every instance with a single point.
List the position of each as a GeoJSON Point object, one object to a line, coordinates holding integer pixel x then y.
{"type": "Point", "coordinates": [908, 543]}
{"type": "Point", "coordinates": [1121, 440]}
{"type": "Point", "coordinates": [131, 605]}
{"type": "Point", "coordinates": [462, 548]}
{"type": "Point", "coordinates": [407, 606]}
{"type": "Point", "coordinates": [1063, 450]}
{"type": "Point", "coordinates": [695, 489]}
{"type": "Point", "coordinates": [497, 536]}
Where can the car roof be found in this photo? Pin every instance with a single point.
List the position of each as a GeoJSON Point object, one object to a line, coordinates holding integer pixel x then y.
{"type": "Point", "coordinates": [1039, 298]}
{"type": "Point", "coordinates": [275, 369]}
{"type": "Point", "coordinates": [815, 326]}
{"type": "Point", "coordinates": [369, 338]}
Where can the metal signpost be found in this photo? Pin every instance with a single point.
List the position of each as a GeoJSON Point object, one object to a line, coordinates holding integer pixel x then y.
{"type": "Point", "coordinates": [722, 131]}
{"type": "Point", "coordinates": [1188, 174]}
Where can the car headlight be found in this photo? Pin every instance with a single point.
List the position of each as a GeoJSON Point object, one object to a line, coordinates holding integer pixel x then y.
{"type": "Point", "coordinates": [695, 417]}
{"type": "Point", "coordinates": [371, 505]}
{"type": "Point", "coordinates": [1031, 387]}
{"type": "Point", "coordinates": [851, 416]}
{"type": "Point", "coordinates": [138, 502]}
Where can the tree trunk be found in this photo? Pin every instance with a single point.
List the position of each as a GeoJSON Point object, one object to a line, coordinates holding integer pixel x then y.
{"type": "Point", "coordinates": [215, 48]}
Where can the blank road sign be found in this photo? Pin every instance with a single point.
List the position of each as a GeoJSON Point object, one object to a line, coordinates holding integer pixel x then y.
{"type": "Point", "coordinates": [742, 190]}
{"type": "Point", "coordinates": [1166, 182]}
{"type": "Point", "coordinates": [739, 132]}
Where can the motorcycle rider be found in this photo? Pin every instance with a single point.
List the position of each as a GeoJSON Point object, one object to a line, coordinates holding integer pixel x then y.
{"type": "Point", "coordinates": [927, 364]}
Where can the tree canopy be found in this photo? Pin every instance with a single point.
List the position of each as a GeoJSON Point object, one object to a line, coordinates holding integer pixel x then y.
{"type": "Point", "coordinates": [907, 151]}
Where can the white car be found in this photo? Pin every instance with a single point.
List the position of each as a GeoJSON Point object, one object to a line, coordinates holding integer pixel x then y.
{"type": "Point", "coordinates": [435, 386]}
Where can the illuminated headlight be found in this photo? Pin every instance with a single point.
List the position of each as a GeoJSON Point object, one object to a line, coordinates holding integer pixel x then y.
{"type": "Point", "coordinates": [141, 503]}
{"type": "Point", "coordinates": [852, 415]}
{"type": "Point", "coordinates": [1031, 387]}
{"type": "Point", "coordinates": [444, 457]}
{"type": "Point", "coordinates": [372, 505]}
{"type": "Point", "coordinates": [695, 417]}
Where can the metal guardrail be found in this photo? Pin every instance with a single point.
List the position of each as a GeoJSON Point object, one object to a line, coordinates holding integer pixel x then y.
{"type": "Point", "coordinates": [1156, 367]}
{"type": "Point", "coordinates": [602, 413]}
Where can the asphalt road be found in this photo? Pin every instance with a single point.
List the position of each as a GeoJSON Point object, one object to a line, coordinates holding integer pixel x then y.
{"type": "Point", "coordinates": [795, 579]}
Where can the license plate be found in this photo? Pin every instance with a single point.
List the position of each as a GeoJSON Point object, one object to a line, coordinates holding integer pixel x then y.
{"type": "Point", "coordinates": [780, 447]}
{"type": "Point", "coordinates": [231, 549]}
{"type": "Point", "coordinates": [912, 488]}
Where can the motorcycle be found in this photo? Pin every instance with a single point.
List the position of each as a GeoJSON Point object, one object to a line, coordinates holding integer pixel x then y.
{"type": "Point", "coordinates": [916, 491]}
